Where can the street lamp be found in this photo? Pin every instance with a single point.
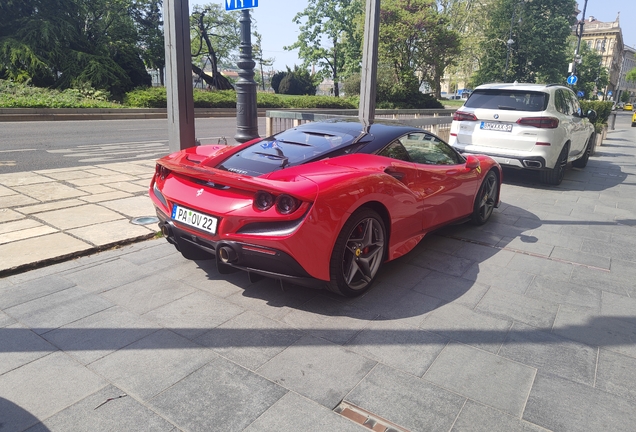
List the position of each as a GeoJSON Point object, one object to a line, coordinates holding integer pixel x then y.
{"type": "Point", "coordinates": [510, 41]}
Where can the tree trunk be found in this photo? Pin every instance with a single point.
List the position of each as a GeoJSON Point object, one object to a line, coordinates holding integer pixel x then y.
{"type": "Point", "coordinates": [218, 81]}
{"type": "Point", "coordinates": [336, 89]}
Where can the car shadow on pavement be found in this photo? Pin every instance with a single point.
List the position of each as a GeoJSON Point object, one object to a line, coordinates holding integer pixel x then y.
{"type": "Point", "coordinates": [14, 417]}
{"type": "Point", "coordinates": [597, 176]}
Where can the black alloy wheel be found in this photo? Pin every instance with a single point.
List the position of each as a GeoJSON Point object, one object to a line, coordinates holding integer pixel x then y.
{"type": "Point", "coordinates": [486, 199]}
{"type": "Point", "coordinates": [358, 253]}
{"type": "Point", "coordinates": [555, 175]}
{"type": "Point", "coordinates": [582, 161]}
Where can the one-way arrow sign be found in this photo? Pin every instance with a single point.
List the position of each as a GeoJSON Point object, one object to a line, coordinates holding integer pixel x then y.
{"type": "Point", "coordinates": [240, 4]}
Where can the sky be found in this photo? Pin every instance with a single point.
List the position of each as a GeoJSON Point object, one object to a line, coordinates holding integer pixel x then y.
{"type": "Point", "coordinates": [274, 22]}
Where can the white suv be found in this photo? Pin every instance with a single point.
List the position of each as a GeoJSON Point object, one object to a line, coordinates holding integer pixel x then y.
{"type": "Point", "coordinates": [530, 126]}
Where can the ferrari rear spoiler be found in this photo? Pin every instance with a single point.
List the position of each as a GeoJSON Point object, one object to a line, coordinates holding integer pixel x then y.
{"type": "Point", "coordinates": [299, 186]}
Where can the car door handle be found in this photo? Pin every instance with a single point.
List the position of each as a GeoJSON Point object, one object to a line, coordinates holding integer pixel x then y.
{"type": "Point", "coordinates": [398, 175]}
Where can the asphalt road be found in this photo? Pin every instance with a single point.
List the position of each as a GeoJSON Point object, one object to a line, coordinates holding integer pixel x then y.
{"type": "Point", "coordinates": [31, 146]}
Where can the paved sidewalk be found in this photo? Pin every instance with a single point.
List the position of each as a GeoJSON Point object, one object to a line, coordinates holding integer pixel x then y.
{"type": "Point", "coordinates": [527, 323]}
{"type": "Point", "coordinates": [55, 214]}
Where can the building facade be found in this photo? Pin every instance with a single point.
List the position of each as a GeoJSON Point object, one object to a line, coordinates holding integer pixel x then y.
{"type": "Point", "coordinates": [629, 63]}
{"type": "Point", "coordinates": [606, 38]}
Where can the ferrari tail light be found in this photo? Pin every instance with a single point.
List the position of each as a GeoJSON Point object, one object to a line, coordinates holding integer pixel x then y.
{"type": "Point", "coordinates": [464, 116]}
{"type": "Point", "coordinates": [161, 171]}
{"type": "Point", "coordinates": [286, 204]}
{"type": "Point", "coordinates": [539, 122]}
{"type": "Point", "coordinates": [263, 200]}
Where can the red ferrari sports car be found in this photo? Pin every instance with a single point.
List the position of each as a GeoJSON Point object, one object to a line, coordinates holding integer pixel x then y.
{"type": "Point", "coordinates": [322, 204]}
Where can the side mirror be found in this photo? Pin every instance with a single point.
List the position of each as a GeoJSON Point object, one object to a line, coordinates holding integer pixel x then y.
{"type": "Point", "coordinates": [591, 116]}
{"type": "Point", "coordinates": [472, 162]}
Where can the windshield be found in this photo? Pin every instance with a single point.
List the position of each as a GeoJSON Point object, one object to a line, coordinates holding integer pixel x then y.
{"type": "Point", "coordinates": [288, 148]}
{"type": "Point", "coordinates": [513, 100]}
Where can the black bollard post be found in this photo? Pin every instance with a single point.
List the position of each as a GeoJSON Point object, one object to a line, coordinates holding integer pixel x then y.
{"type": "Point", "coordinates": [246, 114]}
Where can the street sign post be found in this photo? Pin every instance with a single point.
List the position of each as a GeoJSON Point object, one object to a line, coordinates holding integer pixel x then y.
{"type": "Point", "coordinates": [572, 79]}
{"type": "Point", "coordinates": [240, 4]}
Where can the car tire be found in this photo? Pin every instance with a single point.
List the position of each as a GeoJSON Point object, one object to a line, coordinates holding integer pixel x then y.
{"type": "Point", "coordinates": [485, 199]}
{"type": "Point", "coordinates": [555, 175]}
{"type": "Point", "coordinates": [634, 124]}
{"type": "Point", "coordinates": [358, 253]}
{"type": "Point", "coordinates": [582, 161]}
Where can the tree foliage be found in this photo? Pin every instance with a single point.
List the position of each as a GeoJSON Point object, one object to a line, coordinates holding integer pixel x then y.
{"type": "Point", "coordinates": [468, 18]}
{"type": "Point", "coordinates": [215, 39]}
{"type": "Point", "coordinates": [592, 75]}
{"type": "Point", "coordinates": [257, 54]}
{"type": "Point", "coordinates": [149, 22]}
{"type": "Point", "coordinates": [631, 75]}
{"type": "Point", "coordinates": [328, 38]}
{"type": "Point", "coordinates": [415, 42]}
{"type": "Point", "coordinates": [540, 50]}
{"type": "Point", "coordinates": [297, 82]}
{"type": "Point", "coordinates": [71, 43]}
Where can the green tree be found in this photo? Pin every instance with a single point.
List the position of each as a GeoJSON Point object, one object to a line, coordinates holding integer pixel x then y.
{"type": "Point", "coordinates": [468, 18]}
{"type": "Point", "coordinates": [539, 48]}
{"type": "Point", "coordinates": [416, 43]}
{"type": "Point", "coordinates": [215, 39]}
{"type": "Point", "coordinates": [626, 96]}
{"type": "Point", "coordinates": [591, 73]}
{"type": "Point", "coordinates": [257, 54]}
{"type": "Point", "coordinates": [329, 39]}
{"type": "Point", "coordinates": [631, 75]}
{"type": "Point", "coordinates": [148, 19]}
{"type": "Point", "coordinates": [71, 43]}
{"type": "Point", "coordinates": [297, 82]}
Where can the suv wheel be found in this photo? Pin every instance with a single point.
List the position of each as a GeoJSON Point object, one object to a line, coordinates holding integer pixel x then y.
{"type": "Point", "coordinates": [555, 175]}
{"type": "Point", "coordinates": [582, 161]}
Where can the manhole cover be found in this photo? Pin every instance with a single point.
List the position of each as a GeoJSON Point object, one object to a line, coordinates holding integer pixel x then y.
{"type": "Point", "coordinates": [145, 220]}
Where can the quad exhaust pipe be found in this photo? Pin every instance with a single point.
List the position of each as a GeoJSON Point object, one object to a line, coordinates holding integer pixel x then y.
{"type": "Point", "coordinates": [227, 255]}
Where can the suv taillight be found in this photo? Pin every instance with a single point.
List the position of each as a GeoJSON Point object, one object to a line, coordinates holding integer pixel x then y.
{"type": "Point", "coordinates": [464, 116]}
{"type": "Point", "coordinates": [540, 122]}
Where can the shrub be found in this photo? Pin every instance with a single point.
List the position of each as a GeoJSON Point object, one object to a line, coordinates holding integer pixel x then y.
{"type": "Point", "coordinates": [151, 97]}
{"type": "Point", "coordinates": [297, 82]}
{"type": "Point", "coordinates": [276, 79]}
{"type": "Point", "coordinates": [603, 110]}
{"type": "Point", "coordinates": [22, 95]}
{"type": "Point", "coordinates": [320, 102]}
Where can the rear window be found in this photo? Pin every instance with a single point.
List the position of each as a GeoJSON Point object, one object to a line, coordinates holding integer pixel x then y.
{"type": "Point", "coordinates": [513, 100]}
{"type": "Point", "coordinates": [288, 148]}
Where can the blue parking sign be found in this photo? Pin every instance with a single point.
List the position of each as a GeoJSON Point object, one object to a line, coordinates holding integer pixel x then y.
{"type": "Point", "coordinates": [240, 4]}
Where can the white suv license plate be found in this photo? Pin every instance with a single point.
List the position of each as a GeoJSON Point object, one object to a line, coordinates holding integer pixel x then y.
{"type": "Point", "coordinates": [502, 127]}
{"type": "Point", "coordinates": [194, 219]}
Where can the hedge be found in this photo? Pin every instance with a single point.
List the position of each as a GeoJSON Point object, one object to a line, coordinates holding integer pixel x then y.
{"type": "Point", "coordinates": [603, 110]}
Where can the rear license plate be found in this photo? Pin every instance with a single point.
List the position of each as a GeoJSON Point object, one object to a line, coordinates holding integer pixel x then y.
{"type": "Point", "coordinates": [502, 127]}
{"type": "Point", "coordinates": [194, 219]}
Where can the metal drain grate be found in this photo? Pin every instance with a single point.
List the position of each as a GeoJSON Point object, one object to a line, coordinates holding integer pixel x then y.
{"type": "Point", "coordinates": [365, 418]}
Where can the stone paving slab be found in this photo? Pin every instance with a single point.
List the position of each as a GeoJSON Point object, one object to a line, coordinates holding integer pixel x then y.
{"type": "Point", "coordinates": [527, 323]}
{"type": "Point", "coordinates": [121, 413]}
{"type": "Point", "coordinates": [76, 215]}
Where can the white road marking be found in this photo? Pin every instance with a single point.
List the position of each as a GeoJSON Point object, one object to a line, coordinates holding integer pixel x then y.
{"type": "Point", "coordinates": [17, 150]}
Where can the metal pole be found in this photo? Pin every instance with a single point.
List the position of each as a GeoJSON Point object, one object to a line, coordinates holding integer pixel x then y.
{"type": "Point", "coordinates": [581, 25]}
{"type": "Point", "coordinates": [246, 112]}
{"type": "Point", "coordinates": [509, 43]}
{"type": "Point", "coordinates": [368, 78]}
{"type": "Point", "coordinates": [180, 102]}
